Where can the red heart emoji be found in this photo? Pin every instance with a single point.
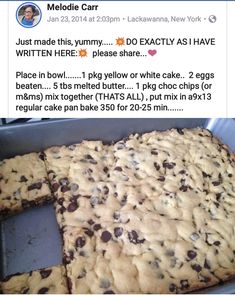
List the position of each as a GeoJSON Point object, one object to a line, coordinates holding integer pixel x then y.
{"type": "Point", "coordinates": [152, 52]}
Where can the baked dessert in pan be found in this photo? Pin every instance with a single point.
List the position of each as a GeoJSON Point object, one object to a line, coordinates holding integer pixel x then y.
{"type": "Point", "coordinates": [51, 280]}
{"type": "Point", "coordinates": [153, 213]}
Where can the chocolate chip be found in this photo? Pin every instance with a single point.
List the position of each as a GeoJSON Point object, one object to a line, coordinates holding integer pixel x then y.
{"type": "Point", "coordinates": [108, 292]}
{"type": "Point", "coordinates": [37, 185]}
{"type": "Point", "coordinates": [25, 291]}
{"type": "Point", "coordinates": [72, 207]}
{"type": "Point", "coordinates": [60, 201]}
{"type": "Point", "coordinates": [43, 290]}
{"type": "Point", "coordinates": [90, 221]}
{"type": "Point", "coordinates": [154, 152]}
{"type": "Point", "coordinates": [88, 157]}
{"type": "Point", "coordinates": [216, 204]}
{"type": "Point", "coordinates": [118, 231]}
{"type": "Point", "coordinates": [45, 273]}
{"type": "Point", "coordinates": [23, 179]}
{"type": "Point", "coordinates": [62, 210]}
{"type": "Point", "coordinates": [89, 232]}
{"type": "Point", "coordinates": [80, 242]}
{"type": "Point", "coordinates": [191, 254]}
{"type": "Point", "coordinates": [157, 167]}
{"type": "Point", "coordinates": [65, 189]}
{"type": "Point", "coordinates": [116, 215]}
{"type": "Point", "coordinates": [74, 187]}
{"type": "Point", "coordinates": [184, 284]}
{"type": "Point", "coordinates": [169, 165]}
{"type": "Point", "coordinates": [55, 187]}
{"type": "Point", "coordinates": [216, 183]}
{"type": "Point", "coordinates": [204, 174]}
{"type": "Point", "coordinates": [68, 258]}
{"type": "Point", "coordinates": [91, 179]}
{"type": "Point", "coordinates": [218, 196]}
{"type": "Point", "coordinates": [106, 190]}
{"type": "Point", "coordinates": [42, 156]}
{"type": "Point", "coordinates": [124, 200]}
{"type": "Point", "coordinates": [196, 267]}
{"type": "Point", "coordinates": [161, 178]}
{"type": "Point", "coordinates": [182, 172]}
{"type": "Point", "coordinates": [184, 188]}
{"type": "Point", "coordinates": [217, 243]}
{"type": "Point", "coordinates": [230, 175]}
{"type": "Point", "coordinates": [118, 168]}
{"type": "Point", "coordinates": [172, 287]}
{"type": "Point", "coordinates": [106, 169]}
{"type": "Point", "coordinates": [106, 236]}
{"type": "Point", "coordinates": [97, 226]}
{"type": "Point", "coordinates": [206, 264]}
{"type": "Point", "coordinates": [134, 238]}
{"type": "Point", "coordinates": [180, 131]}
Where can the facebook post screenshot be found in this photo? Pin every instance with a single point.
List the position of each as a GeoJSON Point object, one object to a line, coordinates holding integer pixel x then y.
{"type": "Point", "coordinates": [117, 147]}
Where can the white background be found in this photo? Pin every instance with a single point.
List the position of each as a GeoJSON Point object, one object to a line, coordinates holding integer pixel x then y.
{"type": "Point", "coordinates": [218, 59]}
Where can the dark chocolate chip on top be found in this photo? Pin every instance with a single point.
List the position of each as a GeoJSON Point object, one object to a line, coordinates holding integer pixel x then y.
{"type": "Point", "coordinates": [191, 254]}
{"type": "Point", "coordinates": [45, 273]}
{"type": "Point", "coordinates": [80, 242]}
{"type": "Point", "coordinates": [37, 185]}
{"type": "Point", "coordinates": [180, 131]}
{"type": "Point", "coordinates": [23, 179]}
{"type": "Point", "coordinates": [97, 226]}
{"type": "Point", "coordinates": [72, 207]}
{"type": "Point", "coordinates": [134, 237]}
{"type": "Point", "coordinates": [118, 231]}
{"type": "Point", "coordinates": [196, 267]}
{"type": "Point", "coordinates": [106, 236]}
{"type": "Point", "coordinates": [43, 290]}
{"type": "Point", "coordinates": [172, 288]}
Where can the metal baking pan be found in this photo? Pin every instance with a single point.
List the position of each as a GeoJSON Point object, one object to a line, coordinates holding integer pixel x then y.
{"type": "Point", "coordinates": [31, 240]}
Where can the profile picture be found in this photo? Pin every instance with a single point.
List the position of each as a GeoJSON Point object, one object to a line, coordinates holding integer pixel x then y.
{"type": "Point", "coordinates": [28, 15]}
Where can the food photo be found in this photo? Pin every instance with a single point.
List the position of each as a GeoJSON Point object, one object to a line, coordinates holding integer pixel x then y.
{"type": "Point", "coordinates": [117, 206]}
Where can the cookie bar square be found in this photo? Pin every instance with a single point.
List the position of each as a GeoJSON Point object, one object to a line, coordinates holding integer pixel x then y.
{"type": "Point", "coordinates": [50, 280]}
{"type": "Point", "coordinates": [161, 221]}
{"type": "Point", "coordinates": [73, 171]}
{"type": "Point", "coordinates": [23, 183]}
